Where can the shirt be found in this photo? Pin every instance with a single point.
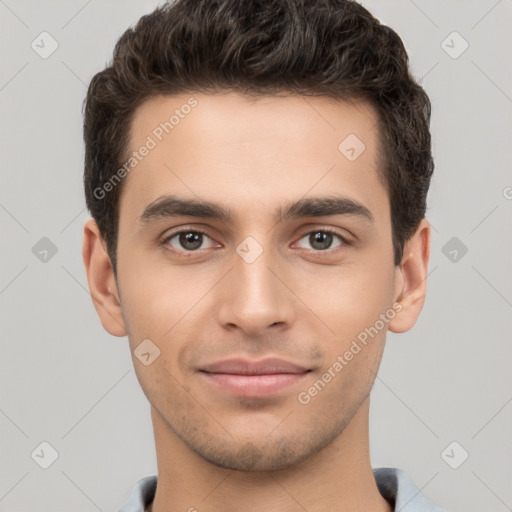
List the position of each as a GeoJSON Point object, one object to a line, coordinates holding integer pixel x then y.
{"type": "Point", "coordinates": [394, 484]}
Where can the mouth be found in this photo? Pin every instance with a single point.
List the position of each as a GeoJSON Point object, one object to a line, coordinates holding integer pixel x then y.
{"type": "Point", "coordinates": [255, 379]}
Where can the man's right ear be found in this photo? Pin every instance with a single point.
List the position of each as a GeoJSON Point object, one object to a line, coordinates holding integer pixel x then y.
{"type": "Point", "coordinates": [101, 279]}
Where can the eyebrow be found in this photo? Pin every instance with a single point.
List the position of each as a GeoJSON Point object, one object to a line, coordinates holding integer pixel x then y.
{"type": "Point", "coordinates": [172, 206]}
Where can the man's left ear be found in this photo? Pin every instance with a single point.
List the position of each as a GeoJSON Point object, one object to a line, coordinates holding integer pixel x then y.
{"type": "Point", "coordinates": [413, 274]}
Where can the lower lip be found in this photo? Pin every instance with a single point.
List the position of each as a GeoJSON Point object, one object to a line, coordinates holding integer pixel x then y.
{"type": "Point", "coordinates": [254, 386]}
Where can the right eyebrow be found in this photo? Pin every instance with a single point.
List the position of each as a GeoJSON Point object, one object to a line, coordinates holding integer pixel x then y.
{"type": "Point", "coordinates": [173, 206]}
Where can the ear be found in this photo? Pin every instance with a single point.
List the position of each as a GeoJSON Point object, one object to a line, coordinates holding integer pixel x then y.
{"type": "Point", "coordinates": [101, 279]}
{"type": "Point", "coordinates": [411, 278]}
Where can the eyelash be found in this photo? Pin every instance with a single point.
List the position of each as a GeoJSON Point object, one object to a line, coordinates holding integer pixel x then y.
{"type": "Point", "coordinates": [344, 240]}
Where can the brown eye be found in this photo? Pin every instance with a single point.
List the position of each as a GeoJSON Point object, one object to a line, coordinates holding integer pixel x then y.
{"type": "Point", "coordinates": [186, 240]}
{"type": "Point", "coordinates": [322, 239]}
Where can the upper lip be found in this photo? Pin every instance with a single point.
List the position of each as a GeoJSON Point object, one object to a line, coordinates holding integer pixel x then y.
{"type": "Point", "coordinates": [240, 366]}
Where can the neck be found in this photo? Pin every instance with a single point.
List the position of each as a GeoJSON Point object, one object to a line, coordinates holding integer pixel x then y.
{"type": "Point", "coordinates": [338, 477]}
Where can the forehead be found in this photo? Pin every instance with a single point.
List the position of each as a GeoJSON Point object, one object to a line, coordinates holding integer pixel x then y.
{"type": "Point", "coordinates": [242, 151]}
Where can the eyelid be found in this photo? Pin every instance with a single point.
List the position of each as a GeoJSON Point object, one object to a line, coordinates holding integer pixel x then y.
{"type": "Point", "coordinates": [344, 234]}
{"type": "Point", "coordinates": [172, 234]}
{"type": "Point", "coordinates": [345, 241]}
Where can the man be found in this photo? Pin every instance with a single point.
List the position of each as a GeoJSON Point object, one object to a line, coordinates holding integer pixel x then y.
{"type": "Point", "coordinates": [257, 174]}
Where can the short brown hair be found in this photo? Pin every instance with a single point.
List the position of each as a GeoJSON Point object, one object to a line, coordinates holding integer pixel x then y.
{"type": "Point", "coordinates": [332, 48]}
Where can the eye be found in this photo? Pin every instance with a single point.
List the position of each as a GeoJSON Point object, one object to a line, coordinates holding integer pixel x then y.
{"type": "Point", "coordinates": [322, 239]}
{"type": "Point", "coordinates": [186, 239]}
{"type": "Point", "coordinates": [193, 240]}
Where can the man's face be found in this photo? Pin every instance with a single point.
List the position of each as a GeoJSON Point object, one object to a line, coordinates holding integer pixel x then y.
{"type": "Point", "coordinates": [298, 288]}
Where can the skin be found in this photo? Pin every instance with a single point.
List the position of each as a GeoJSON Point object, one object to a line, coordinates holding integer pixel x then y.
{"type": "Point", "coordinates": [295, 301]}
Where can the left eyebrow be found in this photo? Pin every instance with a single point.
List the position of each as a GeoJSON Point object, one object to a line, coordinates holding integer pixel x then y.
{"type": "Point", "coordinates": [172, 206]}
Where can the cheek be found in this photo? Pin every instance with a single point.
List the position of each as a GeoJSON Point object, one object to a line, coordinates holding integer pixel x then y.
{"type": "Point", "coordinates": [155, 295]}
{"type": "Point", "coordinates": [167, 306]}
{"type": "Point", "coordinates": [358, 309]}
{"type": "Point", "coordinates": [351, 298]}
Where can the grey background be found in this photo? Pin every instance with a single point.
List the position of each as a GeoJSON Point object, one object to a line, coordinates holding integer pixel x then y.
{"type": "Point", "coordinates": [65, 381]}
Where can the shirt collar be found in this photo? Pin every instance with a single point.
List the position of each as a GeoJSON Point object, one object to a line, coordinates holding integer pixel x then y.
{"type": "Point", "coordinates": [394, 484]}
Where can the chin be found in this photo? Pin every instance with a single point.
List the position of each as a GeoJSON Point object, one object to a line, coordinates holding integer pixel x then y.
{"type": "Point", "coordinates": [262, 455]}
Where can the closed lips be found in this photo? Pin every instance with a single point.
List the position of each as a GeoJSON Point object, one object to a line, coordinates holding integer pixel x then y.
{"type": "Point", "coordinates": [251, 367]}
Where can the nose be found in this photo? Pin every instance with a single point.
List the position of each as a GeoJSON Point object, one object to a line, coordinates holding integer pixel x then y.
{"type": "Point", "coordinates": [255, 295]}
